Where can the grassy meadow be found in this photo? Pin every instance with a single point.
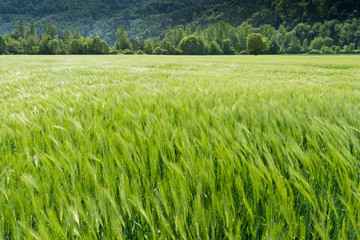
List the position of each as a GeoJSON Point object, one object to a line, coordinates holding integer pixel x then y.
{"type": "Point", "coordinates": [179, 147]}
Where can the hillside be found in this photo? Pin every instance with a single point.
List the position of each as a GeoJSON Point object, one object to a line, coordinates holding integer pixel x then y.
{"type": "Point", "coordinates": [144, 19]}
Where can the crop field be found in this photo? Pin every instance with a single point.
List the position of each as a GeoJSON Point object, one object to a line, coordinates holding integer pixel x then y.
{"type": "Point", "coordinates": [162, 147]}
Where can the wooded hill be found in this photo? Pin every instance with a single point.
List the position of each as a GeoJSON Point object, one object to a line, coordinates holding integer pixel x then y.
{"type": "Point", "coordinates": [149, 19]}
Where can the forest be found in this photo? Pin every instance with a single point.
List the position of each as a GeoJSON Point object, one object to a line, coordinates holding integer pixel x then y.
{"type": "Point", "coordinates": [332, 36]}
{"type": "Point", "coordinates": [144, 19]}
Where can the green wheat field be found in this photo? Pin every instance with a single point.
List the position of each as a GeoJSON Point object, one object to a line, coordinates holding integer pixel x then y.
{"type": "Point", "coordinates": [180, 147]}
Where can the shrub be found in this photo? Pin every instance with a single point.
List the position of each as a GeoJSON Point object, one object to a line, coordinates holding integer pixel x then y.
{"type": "Point", "coordinates": [326, 50]}
{"type": "Point", "coordinates": [128, 52]}
{"type": "Point", "coordinates": [158, 51]}
{"type": "Point", "coordinates": [314, 51]}
{"type": "Point", "coordinates": [351, 47]}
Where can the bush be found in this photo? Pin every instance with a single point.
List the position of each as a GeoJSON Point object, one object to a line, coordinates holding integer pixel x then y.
{"type": "Point", "coordinates": [314, 51]}
{"type": "Point", "coordinates": [337, 49]}
{"type": "Point", "coordinates": [139, 52]}
{"type": "Point", "coordinates": [34, 50]}
{"type": "Point", "coordinates": [128, 52]}
{"type": "Point", "coordinates": [351, 47]}
{"type": "Point", "coordinates": [326, 50]}
{"type": "Point", "coordinates": [158, 51]}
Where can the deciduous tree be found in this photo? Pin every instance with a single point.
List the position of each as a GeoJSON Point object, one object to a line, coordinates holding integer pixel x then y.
{"type": "Point", "coordinates": [190, 45]}
{"type": "Point", "coordinates": [256, 43]}
{"type": "Point", "coordinates": [122, 41]}
{"type": "Point", "coordinates": [3, 47]}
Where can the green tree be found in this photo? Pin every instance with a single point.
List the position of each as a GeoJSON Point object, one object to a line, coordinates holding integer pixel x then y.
{"type": "Point", "coordinates": [351, 47]}
{"type": "Point", "coordinates": [33, 42]}
{"type": "Point", "coordinates": [43, 45]}
{"type": "Point", "coordinates": [105, 47]}
{"type": "Point", "coordinates": [302, 31]}
{"type": "Point", "coordinates": [77, 34]}
{"type": "Point", "coordinates": [179, 35]}
{"type": "Point", "coordinates": [337, 49]}
{"type": "Point", "coordinates": [305, 46]}
{"type": "Point", "coordinates": [188, 30]}
{"type": "Point", "coordinates": [346, 34]}
{"type": "Point", "coordinates": [49, 30]}
{"type": "Point", "coordinates": [21, 30]}
{"type": "Point", "coordinates": [148, 46]}
{"type": "Point", "coordinates": [280, 35]}
{"type": "Point", "coordinates": [214, 48]}
{"type": "Point", "coordinates": [63, 48]}
{"type": "Point", "coordinates": [32, 31]}
{"type": "Point", "coordinates": [274, 47]}
{"type": "Point", "coordinates": [48, 45]}
{"type": "Point", "coordinates": [198, 31]}
{"type": "Point", "coordinates": [256, 43]}
{"type": "Point", "coordinates": [174, 36]}
{"type": "Point", "coordinates": [317, 43]}
{"type": "Point", "coordinates": [222, 31]}
{"type": "Point", "coordinates": [65, 41]}
{"type": "Point", "coordinates": [77, 46]}
{"type": "Point", "coordinates": [203, 47]}
{"type": "Point", "coordinates": [67, 36]}
{"type": "Point", "coordinates": [13, 45]}
{"type": "Point", "coordinates": [97, 46]}
{"type": "Point", "coordinates": [135, 43]}
{"type": "Point", "coordinates": [294, 45]}
{"type": "Point", "coordinates": [53, 46]}
{"type": "Point", "coordinates": [171, 49]}
{"type": "Point", "coordinates": [122, 41]}
{"type": "Point", "coordinates": [190, 45]}
{"type": "Point", "coordinates": [210, 33]}
{"type": "Point", "coordinates": [291, 44]}
{"type": "Point", "coordinates": [241, 33]}
{"type": "Point", "coordinates": [228, 48]}
{"type": "Point", "coordinates": [158, 51]}
{"type": "Point", "coordinates": [328, 42]}
{"type": "Point", "coordinates": [326, 50]}
{"type": "Point", "coordinates": [3, 46]}
{"type": "Point", "coordinates": [267, 30]}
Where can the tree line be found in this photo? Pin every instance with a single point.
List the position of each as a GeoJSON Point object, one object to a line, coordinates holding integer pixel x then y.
{"type": "Point", "coordinates": [220, 38]}
{"type": "Point", "coordinates": [26, 41]}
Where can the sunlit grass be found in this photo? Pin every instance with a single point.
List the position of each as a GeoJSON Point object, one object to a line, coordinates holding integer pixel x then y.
{"type": "Point", "coordinates": [133, 147]}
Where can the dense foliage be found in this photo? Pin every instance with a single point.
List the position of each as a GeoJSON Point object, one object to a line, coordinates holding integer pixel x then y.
{"type": "Point", "coordinates": [220, 38]}
{"type": "Point", "coordinates": [27, 41]}
{"type": "Point", "coordinates": [256, 43]}
{"type": "Point", "coordinates": [149, 18]}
